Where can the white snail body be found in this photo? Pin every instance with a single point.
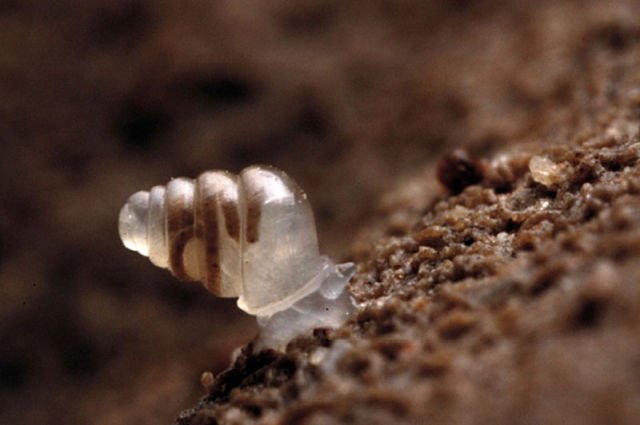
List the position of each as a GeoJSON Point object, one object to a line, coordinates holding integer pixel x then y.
{"type": "Point", "coordinates": [250, 236]}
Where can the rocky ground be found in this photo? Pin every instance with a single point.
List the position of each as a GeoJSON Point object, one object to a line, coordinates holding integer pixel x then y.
{"type": "Point", "coordinates": [497, 284]}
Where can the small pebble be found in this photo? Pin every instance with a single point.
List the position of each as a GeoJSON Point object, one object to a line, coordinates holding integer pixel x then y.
{"type": "Point", "coordinates": [457, 170]}
{"type": "Point", "coordinates": [206, 380]}
{"type": "Point", "coordinates": [545, 171]}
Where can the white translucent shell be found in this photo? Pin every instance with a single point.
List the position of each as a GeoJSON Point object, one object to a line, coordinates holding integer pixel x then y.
{"type": "Point", "coordinates": [250, 236]}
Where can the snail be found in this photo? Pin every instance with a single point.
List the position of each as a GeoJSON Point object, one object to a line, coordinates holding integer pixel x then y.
{"type": "Point", "coordinates": [250, 236]}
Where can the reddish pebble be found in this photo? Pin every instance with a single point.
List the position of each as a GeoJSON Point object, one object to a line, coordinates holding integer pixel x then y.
{"type": "Point", "coordinates": [457, 170]}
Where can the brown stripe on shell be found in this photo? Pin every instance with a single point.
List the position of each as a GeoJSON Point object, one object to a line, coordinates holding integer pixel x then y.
{"type": "Point", "coordinates": [207, 213]}
{"type": "Point", "coordinates": [179, 231]}
{"type": "Point", "coordinates": [231, 218]}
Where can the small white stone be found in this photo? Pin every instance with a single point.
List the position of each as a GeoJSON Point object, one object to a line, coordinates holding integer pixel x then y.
{"type": "Point", "coordinates": [317, 355]}
{"type": "Point", "coordinates": [545, 171]}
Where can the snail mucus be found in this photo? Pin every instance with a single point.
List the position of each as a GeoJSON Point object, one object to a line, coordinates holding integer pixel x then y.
{"type": "Point", "coordinates": [250, 236]}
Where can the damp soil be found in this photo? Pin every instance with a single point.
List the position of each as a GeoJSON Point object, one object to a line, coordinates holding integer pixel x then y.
{"type": "Point", "coordinates": [478, 160]}
{"type": "Point", "coordinates": [513, 301]}
{"type": "Point", "coordinates": [507, 292]}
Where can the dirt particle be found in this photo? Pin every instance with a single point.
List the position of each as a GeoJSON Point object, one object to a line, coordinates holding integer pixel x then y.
{"type": "Point", "coordinates": [457, 170]}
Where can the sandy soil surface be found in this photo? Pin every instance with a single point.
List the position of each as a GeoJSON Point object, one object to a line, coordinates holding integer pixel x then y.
{"type": "Point", "coordinates": [498, 285]}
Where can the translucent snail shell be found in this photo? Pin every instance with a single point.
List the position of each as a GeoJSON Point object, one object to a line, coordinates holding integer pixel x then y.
{"type": "Point", "coordinates": [250, 236]}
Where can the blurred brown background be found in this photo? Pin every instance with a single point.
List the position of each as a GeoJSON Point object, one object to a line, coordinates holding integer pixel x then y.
{"type": "Point", "coordinates": [99, 99]}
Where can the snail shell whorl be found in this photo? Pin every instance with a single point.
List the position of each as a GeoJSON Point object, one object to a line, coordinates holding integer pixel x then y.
{"type": "Point", "coordinates": [251, 236]}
